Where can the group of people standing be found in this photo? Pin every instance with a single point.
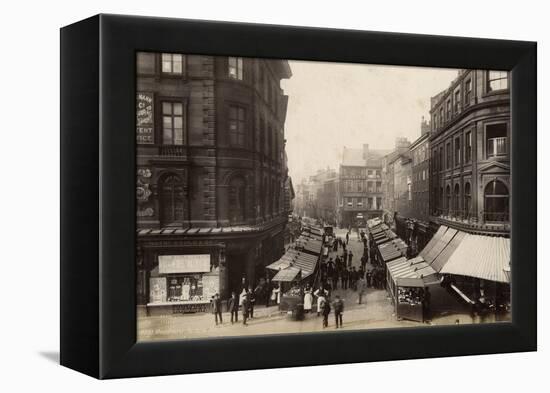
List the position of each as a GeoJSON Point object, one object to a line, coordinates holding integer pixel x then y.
{"type": "Point", "coordinates": [244, 302]}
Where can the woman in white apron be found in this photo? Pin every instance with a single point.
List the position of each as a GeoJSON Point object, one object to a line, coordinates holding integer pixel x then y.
{"type": "Point", "coordinates": [308, 299]}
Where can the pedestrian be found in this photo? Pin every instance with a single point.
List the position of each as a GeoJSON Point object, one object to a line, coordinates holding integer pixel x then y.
{"type": "Point", "coordinates": [308, 299]}
{"type": "Point", "coordinates": [354, 278]}
{"type": "Point", "coordinates": [338, 311]}
{"type": "Point", "coordinates": [251, 300]}
{"type": "Point", "coordinates": [426, 304]}
{"type": "Point", "coordinates": [326, 311]}
{"type": "Point", "coordinates": [275, 294]}
{"type": "Point", "coordinates": [321, 294]}
{"type": "Point", "coordinates": [268, 288]}
{"type": "Point", "coordinates": [362, 287]}
{"type": "Point", "coordinates": [345, 258]}
{"type": "Point", "coordinates": [363, 260]}
{"type": "Point", "coordinates": [347, 237]}
{"type": "Point", "coordinates": [369, 278]}
{"type": "Point", "coordinates": [335, 246]}
{"type": "Point", "coordinates": [345, 278]}
{"type": "Point", "coordinates": [350, 257]}
{"type": "Point", "coordinates": [233, 307]}
{"type": "Point", "coordinates": [217, 308]}
{"type": "Point", "coordinates": [361, 272]}
{"type": "Point", "coordinates": [246, 308]}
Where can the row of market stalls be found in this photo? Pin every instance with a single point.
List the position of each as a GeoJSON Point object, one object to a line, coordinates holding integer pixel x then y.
{"type": "Point", "coordinates": [297, 267]}
{"type": "Point", "coordinates": [450, 253]}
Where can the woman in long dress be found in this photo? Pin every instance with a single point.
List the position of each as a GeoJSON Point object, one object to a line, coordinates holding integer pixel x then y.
{"type": "Point", "coordinates": [308, 299]}
{"type": "Point", "coordinates": [321, 294]}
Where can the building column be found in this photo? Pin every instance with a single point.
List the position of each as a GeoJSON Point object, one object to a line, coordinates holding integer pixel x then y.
{"type": "Point", "coordinates": [224, 277]}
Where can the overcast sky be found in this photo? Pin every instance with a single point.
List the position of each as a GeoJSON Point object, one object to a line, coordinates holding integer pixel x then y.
{"type": "Point", "coordinates": [332, 105]}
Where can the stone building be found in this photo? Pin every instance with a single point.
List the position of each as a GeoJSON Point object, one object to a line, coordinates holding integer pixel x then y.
{"type": "Point", "coordinates": [212, 180]}
{"type": "Point", "coordinates": [360, 192]}
{"type": "Point", "coordinates": [469, 145]}
{"type": "Point", "coordinates": [420, 209]}
{"type": "Point", "coordinates": [470, 184]}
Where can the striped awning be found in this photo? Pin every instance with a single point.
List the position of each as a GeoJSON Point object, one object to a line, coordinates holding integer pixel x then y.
{"type": "Point", "coordinates": [412, 272]}
{"type": "Point", "coordinates": [484, 257]}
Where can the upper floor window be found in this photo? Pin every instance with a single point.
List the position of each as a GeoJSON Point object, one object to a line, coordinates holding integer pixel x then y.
{"type": "Point", "coordinates": [448, 109]}
{"type": "Point", "coordinates": [457, 151]}
{"type": "Point", "coordinates": [467, 92]}
{"type": "Point", "coordinates": [457, 101]}
{"type": "Point", "coordinates": [172, 63]}
{"type": "Point", "coordinates": [497, 80]}
{"type": "Point", "coordinates": [237, 200]}
{"type": "Point", "coordinates": [496, 201]}
{"type": "Point", "coordinates": [171, 200]}
{"type": "Point", "coordinates": [496, 139]}
{"type": "Point", "coordinates": [441, 119]}
{"type": "Point", "coordinates": [449, 157]}
{"type": "Point", "coordinates": [237, 128]}
{"type": "Point", "coordinates": [468, 147]}
{"type": "Point", "coordinates": [172, 123]}
{"type": "Point", "coordinates": [435, 121]}
{"type": "Point", "coordinates": [235, 68]}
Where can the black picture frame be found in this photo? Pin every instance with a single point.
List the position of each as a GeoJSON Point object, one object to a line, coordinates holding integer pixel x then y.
{"type": "Point", "coordinates": [98, 313]}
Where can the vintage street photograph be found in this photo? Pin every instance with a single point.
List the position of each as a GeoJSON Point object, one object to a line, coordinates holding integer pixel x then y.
{"type": "Point", "coordinates": [283, 196]}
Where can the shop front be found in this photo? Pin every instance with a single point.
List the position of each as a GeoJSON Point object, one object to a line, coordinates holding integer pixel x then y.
{"type": "Point", "coordinates": [182, 283]}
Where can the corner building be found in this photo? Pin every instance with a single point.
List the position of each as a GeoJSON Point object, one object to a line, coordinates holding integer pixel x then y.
{"type": "Point", "coordinates": [212, 205]}
{"type": "Point", "coordinates": [470, 153]}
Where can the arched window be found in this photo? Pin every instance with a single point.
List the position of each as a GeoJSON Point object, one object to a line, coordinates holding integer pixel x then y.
{"type": "Point", "coordinates": [467, 200]}
{"type": "Point", "coordinates": [448, 197]}
{"type": "Point", "coordinates": [496, 201]}
{"type": "Point", "coordinates": [237, 200]}
{"type": "Point", "coordinates": [171, 198]}
{"type": "Point", "coordinates": [456, 200]}
{"type": "Point", "coordinates": [441, 203]}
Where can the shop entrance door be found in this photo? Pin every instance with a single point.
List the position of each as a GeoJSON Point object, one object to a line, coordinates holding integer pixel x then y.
{"type": "Point", "coordinates": [236, 264]}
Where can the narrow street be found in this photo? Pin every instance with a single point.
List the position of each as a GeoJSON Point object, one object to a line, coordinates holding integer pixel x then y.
{"type": "Point", "coordinates": [375, 312]}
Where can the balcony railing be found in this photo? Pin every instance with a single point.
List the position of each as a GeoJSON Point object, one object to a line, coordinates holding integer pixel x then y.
{"type": "Point", "coordinates": [469, 217]}
{"type": "Point", "coordinates": [497, 146]}
{"type": "Point", "coordinates": [172, 150]}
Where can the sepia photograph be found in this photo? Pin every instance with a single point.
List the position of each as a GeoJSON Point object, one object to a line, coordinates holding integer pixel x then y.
{"type": "Point", "coordinates": [282, 196]}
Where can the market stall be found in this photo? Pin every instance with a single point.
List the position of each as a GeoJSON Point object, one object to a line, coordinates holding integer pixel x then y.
{"type": "Point", "coordinates": [406, 283]}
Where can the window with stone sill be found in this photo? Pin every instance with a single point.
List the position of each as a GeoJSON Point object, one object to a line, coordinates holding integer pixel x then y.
{"type": "Point", "coordinates": [172, 123]}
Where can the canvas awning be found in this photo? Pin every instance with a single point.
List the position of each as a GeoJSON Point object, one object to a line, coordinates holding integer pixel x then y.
{"type": "Point", "coordinates": [412, 271]}
{"type": "Point", "coordinates": [484, 257]}
{"type": "Point", "coordinates": [286, 275]}
{"type": "Point", "coordinates": [442, 229]}
{"type": "Point", "coordinates": [440, 245]}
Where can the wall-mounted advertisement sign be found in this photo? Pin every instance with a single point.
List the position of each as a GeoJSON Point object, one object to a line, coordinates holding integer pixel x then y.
{"type": "Point", "coordinates": [144, 118]}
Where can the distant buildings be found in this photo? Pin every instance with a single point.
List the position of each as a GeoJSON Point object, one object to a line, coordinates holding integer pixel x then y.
{"type": "Point", "coordinates": [397, 171]}
{"type": "Point", "coordinates": [360, 193]}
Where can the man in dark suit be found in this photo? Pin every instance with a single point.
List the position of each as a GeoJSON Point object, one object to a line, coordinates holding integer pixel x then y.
{"type": "Point", "coordinates": [338, 311]}
{"type": "Point", "coordinates": [233, 307]}
{"type": "Point", "coordinates": [217, 308]}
